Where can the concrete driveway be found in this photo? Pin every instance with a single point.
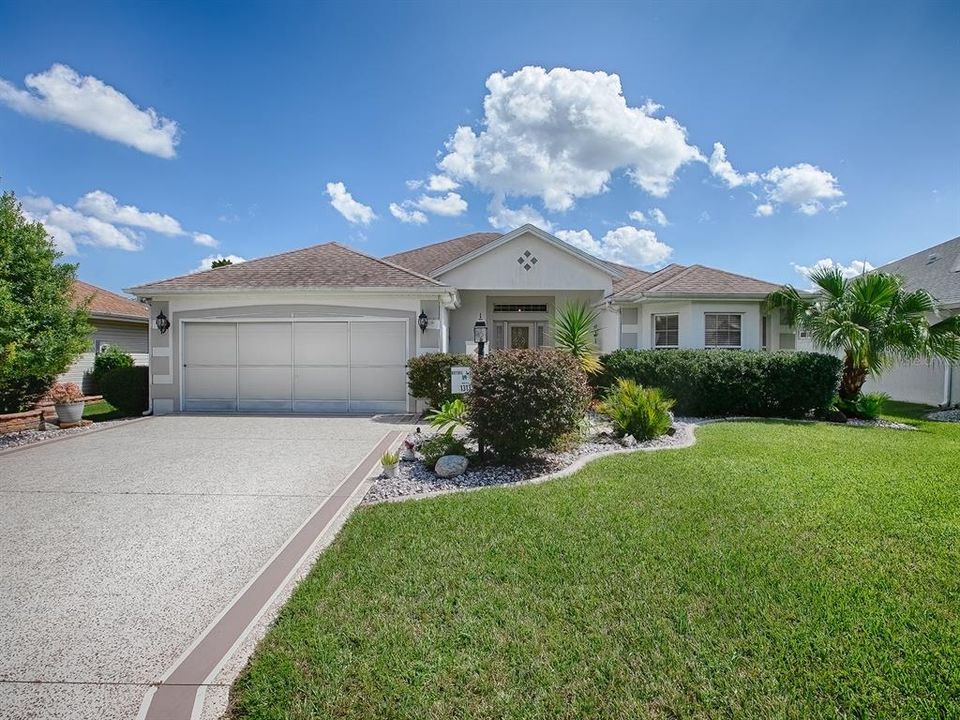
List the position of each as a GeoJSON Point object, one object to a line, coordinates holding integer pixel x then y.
{"type": "Point", "coordinates": [144, 553]}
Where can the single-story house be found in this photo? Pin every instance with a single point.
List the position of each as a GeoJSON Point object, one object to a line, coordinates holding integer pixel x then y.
{"type": "Point", "coordinates": [936, 270]}
{"type": "Point", "coordinates": [330, 329]}
{"type": "Point", "coordinates": [117, 321]}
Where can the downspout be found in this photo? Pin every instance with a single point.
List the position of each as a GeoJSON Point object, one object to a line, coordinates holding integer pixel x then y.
{"type": "Point", "coordinates": [948, 385]}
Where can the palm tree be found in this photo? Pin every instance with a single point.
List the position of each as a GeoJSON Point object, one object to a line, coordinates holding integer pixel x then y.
{"type": "Point", "coordinates": [573, 327]}
{"type": "Point", "coordinates": [872, 319]}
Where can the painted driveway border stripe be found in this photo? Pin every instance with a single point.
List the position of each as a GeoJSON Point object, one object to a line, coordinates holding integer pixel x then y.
{"type": "Point", "coordinates": [179, 694]}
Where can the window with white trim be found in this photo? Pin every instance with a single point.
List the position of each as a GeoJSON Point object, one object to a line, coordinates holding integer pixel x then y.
{"type": "Point", "coordinates": [666, 331]}
{"type": "Point", "coordinates": [722, 330]}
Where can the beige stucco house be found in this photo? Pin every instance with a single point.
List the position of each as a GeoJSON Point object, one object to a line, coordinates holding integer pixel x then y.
{"type": "Point", "coordinates": [329, 329]}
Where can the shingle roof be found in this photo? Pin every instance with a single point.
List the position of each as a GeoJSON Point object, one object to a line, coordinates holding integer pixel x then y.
{"type": "Point", "coordinates": [105, 303]}
{"type": "Point", "coordinates": [680, 281]}
{"type": "Point", "coordinates": [631, 276]}
{"type": "Point", "coordinates": [327, 265]}
{"type": "Point", "coordinates": [936, 270]}
{"type": "Point", "coordinates": [429, 258]}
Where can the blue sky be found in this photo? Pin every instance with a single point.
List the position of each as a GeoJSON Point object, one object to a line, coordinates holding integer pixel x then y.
{"type": "Point", "coordinates": [839, 122]}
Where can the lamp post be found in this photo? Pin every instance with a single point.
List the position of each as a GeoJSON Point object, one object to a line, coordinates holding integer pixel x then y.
{"type": "Point", "coordinates": [480, 335]}
{"type": "Point", "coordinates": [480, 338]}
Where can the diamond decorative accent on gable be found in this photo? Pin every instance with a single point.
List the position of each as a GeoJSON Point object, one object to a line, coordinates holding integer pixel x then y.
{"type": "Point", "coordinates": [527, 260]}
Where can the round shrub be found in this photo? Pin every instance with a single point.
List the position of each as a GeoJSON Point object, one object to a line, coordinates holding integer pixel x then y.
{"type": "Point", "coordinates": [109, 359]}
{"type": "Point", "coordinates": [638, 411]}
{"type": "Point", "coordinates": [428, 376]}
{"type": "Point", "coordinates": [524, 400]}
{"type": "Point", "coordinates": [126, 389]}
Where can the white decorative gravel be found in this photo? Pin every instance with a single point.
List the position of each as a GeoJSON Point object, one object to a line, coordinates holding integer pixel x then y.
{"type": "Point", "coordinates": [28, 437]}
{"type": "Point", "coordinates": [414, 478]}
{"type": "Point", "coordinates": [945, 415]}
{"type": "Point", "coordinates": [880, 423]}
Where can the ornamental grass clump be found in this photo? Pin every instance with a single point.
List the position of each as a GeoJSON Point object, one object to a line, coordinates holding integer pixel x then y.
{"type": "Point", "coordinates": [524, 400]}
{"type": "Point", "coordinates": [636, 410]}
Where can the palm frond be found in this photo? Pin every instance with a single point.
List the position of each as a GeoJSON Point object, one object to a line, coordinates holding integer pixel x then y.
{"type": "Point", "coordinates": [573, 329]}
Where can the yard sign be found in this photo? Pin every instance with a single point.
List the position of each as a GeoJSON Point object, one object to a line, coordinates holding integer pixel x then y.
{"type": "Point", "coordinates": [460, 378]}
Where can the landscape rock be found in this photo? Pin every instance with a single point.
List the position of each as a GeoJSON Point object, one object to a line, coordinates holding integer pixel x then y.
{"type": "Point", "coordinates": [450, 466]}
{"type": "Point", "coordinates": [629, 441]}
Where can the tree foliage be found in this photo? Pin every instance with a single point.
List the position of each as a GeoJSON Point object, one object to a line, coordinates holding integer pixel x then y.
{"type": "Point", "coordinates": [41, 333]}
{"type": "Point", "coordinates": [221, 262]}
{"type": "Point", "coordinates": [872, 319]}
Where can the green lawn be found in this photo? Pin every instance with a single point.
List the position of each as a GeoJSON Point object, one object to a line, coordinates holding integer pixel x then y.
{"type": "Point", "coordinates": [100, 411]}
{"type": "Point", "coordinates": [774, 570]}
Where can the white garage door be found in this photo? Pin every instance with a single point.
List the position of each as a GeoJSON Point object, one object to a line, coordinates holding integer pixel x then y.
{"type": "Point", "coordinates": [300, 366]}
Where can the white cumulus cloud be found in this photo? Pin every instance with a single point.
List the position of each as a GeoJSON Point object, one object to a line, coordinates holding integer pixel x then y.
{"type": "Point", "coordinates": [804, 186]}
{"type": "Point", "coordinates": [856, 267]}
{"type": "Point", "coordinates": [62, 95]}
{"type": "Point", "coordinates": [104, 206]}
{"type": "Point", "coordinates": [659, 216]}
{"type": "Point", "coordinates": [406, 215]}
{"type": "Point", "coordinates": [343, 203]}
{"type": "Point", "coordinates": [441, 183]}
{"type": "Point", "coordinates": [506, 218]}
{"type": "Point", "coordinates": [723, 169]}
{"type": "Point", "coordinates": [98, 219]}
{"type": "Point", "coordinates": [764, 210]}
{"type": "Point", "coordinates": [638, 217]}
{"type": "Point", "coordinates": [560, 135]}
{"type": "Point", "coordinates": [627, 244]}
{"type": "Point", "coordinates": [449, 205]}
{"type": "Point", "coordinates": [207, 262]}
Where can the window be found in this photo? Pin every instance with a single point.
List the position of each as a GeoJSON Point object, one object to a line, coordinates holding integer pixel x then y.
{"type": "Point", "coordinates": [722, 330]}
{"type": "Point", "coordinates": [520, 308]}
{"type": "Point", "coordinates": [666, 331]}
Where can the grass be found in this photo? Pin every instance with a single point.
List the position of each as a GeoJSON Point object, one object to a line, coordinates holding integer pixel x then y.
{"type": "Point", "coordinates": [773, 570]}
{"type": "Point", "coordinates": [101, 411]}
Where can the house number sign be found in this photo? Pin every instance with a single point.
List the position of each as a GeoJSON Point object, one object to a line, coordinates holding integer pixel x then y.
{"type": "Point", "coordinates": [460, 378]}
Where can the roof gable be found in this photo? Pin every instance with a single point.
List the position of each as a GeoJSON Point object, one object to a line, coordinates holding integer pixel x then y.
{"type": "Point", "coordinates": [330, 265]}
{"type": "Point", "coordinates": [538, 233]}
{"type": "Point", "coordinates": [695, 280]}
{"type": "Point", "coordinates": [936, 270]}
{"type": "Point", "coordinates": [103, 303]}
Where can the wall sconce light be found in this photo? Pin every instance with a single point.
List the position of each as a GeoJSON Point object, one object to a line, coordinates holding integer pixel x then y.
{"type": "Point", "coordinates": [423, 321]}
{"type": "Point", "coordinates": [162, 323]}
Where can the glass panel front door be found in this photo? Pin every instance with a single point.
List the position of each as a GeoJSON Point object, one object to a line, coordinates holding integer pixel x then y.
{"type": "Point", "coordinates": [519, 337]}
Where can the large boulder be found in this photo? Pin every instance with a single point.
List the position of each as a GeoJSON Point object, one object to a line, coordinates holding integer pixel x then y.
{"type": "Point", "coordinates": [450, 466]}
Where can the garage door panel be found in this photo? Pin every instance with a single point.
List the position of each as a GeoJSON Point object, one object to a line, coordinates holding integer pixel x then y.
{"type": "Point", "coordinates": [265, 383]}
{"type": "Point", "coordinates": [321, 343]}
{"type": "Point", "coordinates": [210, 344]}
{"type": "Point", "coordinates": [329, 383]}
{"type": "Point", "coordinates": [210, 383]}
{"type": "Point", "coordinates": [378, 343]}
{"type": "Point", "coordinates": [265, 344]}
{"type": "Point", "coordinates": [377, 383]}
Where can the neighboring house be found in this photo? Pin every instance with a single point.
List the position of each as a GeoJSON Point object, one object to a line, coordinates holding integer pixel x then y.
{"type": "Point", "coordinates": [117, 321]}
{"type": "Point", "coordinates": [329, 329]}
{"type": "Point", "coordinates": [936, 270]}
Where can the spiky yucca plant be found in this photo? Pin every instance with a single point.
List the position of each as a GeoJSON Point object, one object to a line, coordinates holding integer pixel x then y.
{"type": "Point", "coordinates": [872, 319]}
{"type": "Point", "coordinates": [573, 328]}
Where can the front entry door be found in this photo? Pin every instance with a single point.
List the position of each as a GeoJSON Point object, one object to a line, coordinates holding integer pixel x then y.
{"type": "Point", "coordinates": [520, 335]}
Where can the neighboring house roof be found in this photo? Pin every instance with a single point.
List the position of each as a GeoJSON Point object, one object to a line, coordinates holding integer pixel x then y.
{"type": "Point", "coordinates": [105, 304]}
{"type": "Point", "coordinates": [432, 257]}
{"type": "Point", "coordinates": [936, 270]}
{"type": "Point", "coordinates": [694, 280]}
{"type": "Point", "coordinates": [330, 265]}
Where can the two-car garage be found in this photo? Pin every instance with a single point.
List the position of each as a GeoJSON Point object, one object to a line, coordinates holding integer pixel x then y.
{"type": "Point", "coordinates": [337, 365]}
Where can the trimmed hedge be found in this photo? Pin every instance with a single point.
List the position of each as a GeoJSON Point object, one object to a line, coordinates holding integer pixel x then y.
{"type": "Point", "coordinates": [710, 383]}
{"type": "Point", "coordinates": [126, 389]}
{"type": "Point", "coordinates": [429, 376]}
{"type": "Point", "coordinates": [107, 360]}
{"type": "Point", "coordinates": [523, 400]}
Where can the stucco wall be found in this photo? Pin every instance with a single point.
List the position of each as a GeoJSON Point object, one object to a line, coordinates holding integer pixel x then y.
{"type": "Point", "coordinates": [692, 324]}
{"type": "Point", "coordinates": [498, 269]}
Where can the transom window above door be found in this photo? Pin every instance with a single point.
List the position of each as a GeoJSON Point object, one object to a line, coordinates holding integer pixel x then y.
{"type": "Point", "coordinates": [722, 330]}
{"type": "Point", "coordinates": [666, 331]}
{"type": "Point", "coordinates": [541, 308]}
